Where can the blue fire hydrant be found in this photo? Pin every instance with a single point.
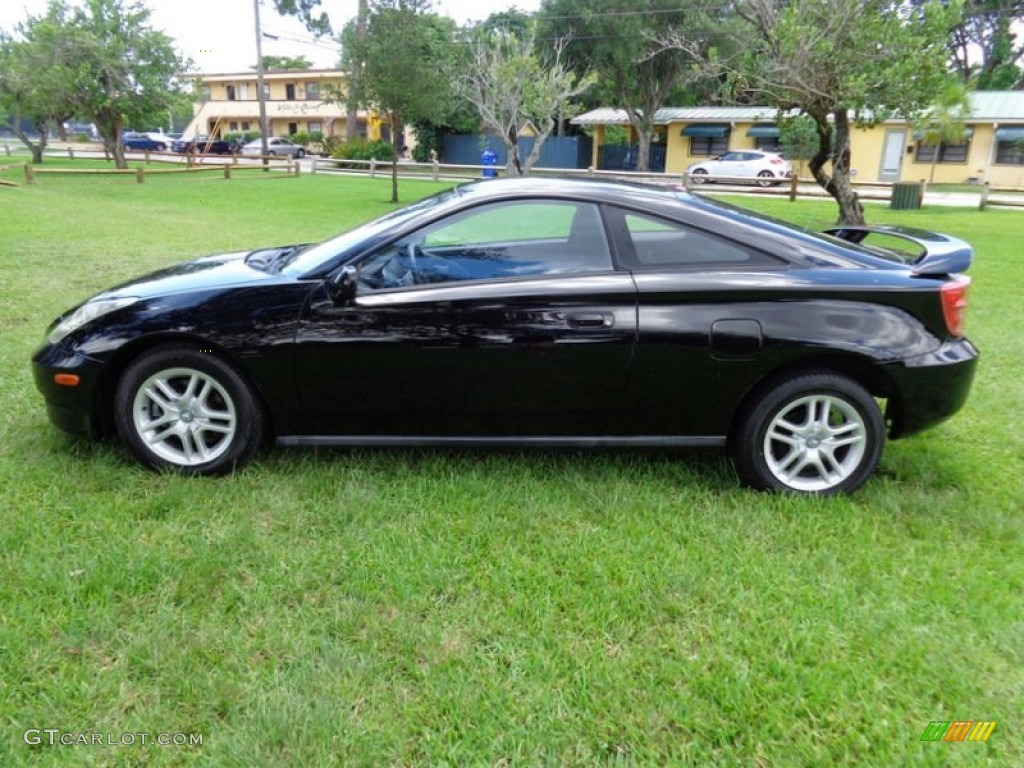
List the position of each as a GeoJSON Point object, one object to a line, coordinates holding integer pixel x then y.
{"type": "Point", "coordinates": [490, 159]}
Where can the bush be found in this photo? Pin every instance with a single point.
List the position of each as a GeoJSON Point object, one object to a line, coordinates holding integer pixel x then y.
{"type": "Point", "coordinates": [242, 137]}
{"type": "Point", "coordinates": [305, 139]}
{"type": "Point", "coordinates": [361, 149]}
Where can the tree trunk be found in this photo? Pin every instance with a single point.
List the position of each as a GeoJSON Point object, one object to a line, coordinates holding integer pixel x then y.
{"type": "Point", "coordinates": [111, 127]}
{"type": "Point", "coordinates": [35, 149]}
{"type": "Point", "coordinates": [514, 166]}
{"type": "Point", "coordinates": [834, 147]}
{"type": "Point", "coordinates": [644, 130]}
{"type": "Point", "coordinates": [538, 142]}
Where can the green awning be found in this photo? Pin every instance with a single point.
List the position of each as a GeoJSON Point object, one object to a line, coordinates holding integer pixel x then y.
{"type": "Point", "coordinates": [1010, 134]}
{"type": "Point", "coordinates": [764, 131]}
{"type": "Point", "coordinates": [706, 130]}
{"type": "Point", "coordinates": [968, 133]}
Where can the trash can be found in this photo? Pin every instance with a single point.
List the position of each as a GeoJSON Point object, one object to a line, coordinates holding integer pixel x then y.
{"type": "Point", "coordinates": [906, 195]}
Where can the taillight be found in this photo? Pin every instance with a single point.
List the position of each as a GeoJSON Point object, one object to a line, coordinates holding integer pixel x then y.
{"type": "Point", "coordinates": [954, 304]}
{"type": "Point", "coordinates": [776, 161]}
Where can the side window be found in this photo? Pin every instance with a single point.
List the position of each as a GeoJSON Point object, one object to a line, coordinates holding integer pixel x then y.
{"type": "Point", "coordinates": [655, 242]}
{"type": "Point", "coordinates": [502, 240]}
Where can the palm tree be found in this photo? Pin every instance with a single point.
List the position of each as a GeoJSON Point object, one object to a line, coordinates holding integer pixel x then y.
{"type": "Point", "coordinates": [944, 122]}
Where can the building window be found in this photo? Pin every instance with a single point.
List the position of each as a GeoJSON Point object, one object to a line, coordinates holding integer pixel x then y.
{"type": "Point", "coordinates": [289, 91]}
{"type": "Point", "coordinates": [316, 127]}
{"type": "Point", "coordinates": [703, 146]}
{"type": "Point", "coordinates": [266, 91]}
{"type": "Point", "coordinates": [1010, 153]}
{"type": "Point", "coordinates": [293, 128]}
{"type": "Point", "coordinates": [947, 153]}
{"type": "Point", "coordinates": [204, 93]}
{"type": "Point", "coordinates": [245, 126]}
{"type": "Point", "coordinates": [768, 144]}
{"type": "Point", "coordinates": [231, 93]}
{"type": "Point", "coordinates": [233, 127]}
{"type": "Point", "coordinates": [312, 91]}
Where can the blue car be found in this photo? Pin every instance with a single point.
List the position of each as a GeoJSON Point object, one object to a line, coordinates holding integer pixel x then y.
{"type": "Point", "coordinates": [154, 142]}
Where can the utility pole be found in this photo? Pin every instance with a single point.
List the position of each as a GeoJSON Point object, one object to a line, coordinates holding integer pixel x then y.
{"type": "Point", "coordinates": [351, 108]}
{"type": "Point", "coordinates": [259, 81]}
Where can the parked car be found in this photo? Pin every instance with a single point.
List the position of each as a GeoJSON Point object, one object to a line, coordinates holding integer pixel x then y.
{"type": "Point", "coordinates": [205, 145]}
{"type": "Point", "coordinates": [153, 142]}
{"type": "Point", "coordinates": [765, 168]}
{"type": "Point", "coordinates": [275, 146]}
{"type": "Point", "coordinates": [532, 312]}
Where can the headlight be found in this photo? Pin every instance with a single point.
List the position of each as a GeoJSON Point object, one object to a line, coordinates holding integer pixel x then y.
{"type": "Point", "coordinates": [86, 314]}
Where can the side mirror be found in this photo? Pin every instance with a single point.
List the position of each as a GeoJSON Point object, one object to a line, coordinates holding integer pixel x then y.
{"type": "Point", "coordinates": [342, 287]}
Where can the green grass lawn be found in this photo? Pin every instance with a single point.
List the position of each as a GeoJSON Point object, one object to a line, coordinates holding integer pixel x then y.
{"type": "Point", "coordinates": [419, 608]}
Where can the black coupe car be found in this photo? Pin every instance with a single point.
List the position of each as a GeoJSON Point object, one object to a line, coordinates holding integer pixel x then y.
{"type": "Point", "coordinates": [532, 313]}
{"type": "Point", "coordinates": [206, 145]}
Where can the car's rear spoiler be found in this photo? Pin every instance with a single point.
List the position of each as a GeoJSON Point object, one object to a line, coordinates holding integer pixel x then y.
{"type": "Point", "coordinates": [940, 255]}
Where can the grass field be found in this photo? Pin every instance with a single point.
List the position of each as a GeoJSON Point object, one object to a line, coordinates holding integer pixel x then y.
{"type": "Point", "coordinates": [421, 608]}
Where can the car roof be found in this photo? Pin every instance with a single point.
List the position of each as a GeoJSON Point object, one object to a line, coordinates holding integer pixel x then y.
{"type": "Point", "coordinates": [597, 189]}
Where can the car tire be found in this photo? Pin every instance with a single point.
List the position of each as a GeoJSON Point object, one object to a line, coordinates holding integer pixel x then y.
{"type": "Point", "coordinates": [698, 176]}
{"type": "Point", "coordinates": [161, 147]}
{"type": "Point", "coordinates": [766, 179]}
{"type": "Point", "coordinates": [814, 432]}
{"type": "Point", "coordinates": [300, 154]}
{"type": "Point", "coordinates": [182, 409]}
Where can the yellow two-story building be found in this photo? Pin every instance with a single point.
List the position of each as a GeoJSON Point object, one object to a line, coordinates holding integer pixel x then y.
{"type": "Point", "coordinates": [296, 101]}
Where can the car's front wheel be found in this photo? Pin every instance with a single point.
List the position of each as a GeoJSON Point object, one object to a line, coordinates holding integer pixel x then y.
{"type": "Point", "coordinates": [811, 432]}
{"type": "Point", "coordinates": [184, 409]}
{"type": "Point", "coordinates": [698, 175]}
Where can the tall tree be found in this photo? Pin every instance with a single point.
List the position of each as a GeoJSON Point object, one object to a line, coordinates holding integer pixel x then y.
{"type": "Point", "coordinates": [33, 85]}
{"type": "Point", "coordinates": [618, 40]}
{"type": "Point", "coordinates": [984, 43]}
{"type": "Point", "coordinates": [402, 53]}
{"type": "Point", "coordinates": [509, 86]}
{"type": "Point", "coordinates": [119, 70]}
{"type": "Point", "coordinates": [943, 121]}
{"type": "Point", "coordinates": [286, 62]}
{"type": "Point", "coordinates": [842, 63]}
{"type": "Point", "coordinates": [308, 12]}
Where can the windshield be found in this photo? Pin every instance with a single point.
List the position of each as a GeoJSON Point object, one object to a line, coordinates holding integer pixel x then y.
{"type": "Point", "coordinates": [360, 239]}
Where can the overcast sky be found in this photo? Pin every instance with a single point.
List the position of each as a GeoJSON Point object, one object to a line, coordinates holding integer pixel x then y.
{"type": "Point", "coordinates": [218, 34]}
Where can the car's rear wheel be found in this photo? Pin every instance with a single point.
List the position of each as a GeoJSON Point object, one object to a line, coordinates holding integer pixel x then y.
{"type": "Point", "coordinates": [698, 175]}
{"type": "Point", "coordinates": [161, 147]}
{"type": "Point", "coordinates": [300, 153]}
{"type": "Point", "coordinates": [813, 432]}
{"type": "Point", "coordinates": [766, 178]}
{"type": "Point", "coordinates": [182, 409]}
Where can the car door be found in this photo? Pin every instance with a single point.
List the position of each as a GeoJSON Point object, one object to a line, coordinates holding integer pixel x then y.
{"type": "Point", "coordinates": [508, 319]}
{"type": "Point", "coordinates": [699, 339]}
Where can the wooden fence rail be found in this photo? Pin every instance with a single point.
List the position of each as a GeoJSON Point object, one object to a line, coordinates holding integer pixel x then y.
{"type": "Point", "coordinates": [140, 173]}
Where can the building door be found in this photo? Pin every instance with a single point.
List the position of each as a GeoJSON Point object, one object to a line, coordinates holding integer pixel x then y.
{"type": "Point", "coordinates": [892, 155]}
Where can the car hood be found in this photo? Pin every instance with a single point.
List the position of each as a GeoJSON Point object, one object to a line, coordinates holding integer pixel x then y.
{"type": "Point", "coordinates": [208, 273]}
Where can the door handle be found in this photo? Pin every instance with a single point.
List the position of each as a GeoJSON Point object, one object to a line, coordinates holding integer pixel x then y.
{"type": "Point", "coordinates": [590, 320]}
